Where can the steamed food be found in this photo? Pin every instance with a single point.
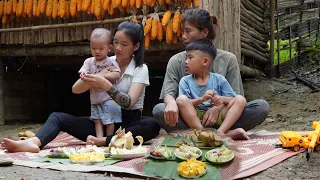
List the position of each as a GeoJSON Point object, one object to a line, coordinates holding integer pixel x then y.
{"type": "Point", "coordinates": [191, 167]}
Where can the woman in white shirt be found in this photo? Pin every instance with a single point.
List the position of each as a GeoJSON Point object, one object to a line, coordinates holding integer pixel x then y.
{"type": "Point", "coordinates": [128, 46]}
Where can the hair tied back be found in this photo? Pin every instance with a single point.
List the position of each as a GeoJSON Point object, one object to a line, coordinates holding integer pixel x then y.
{"type": "Point", "coordinates": [215, 20]}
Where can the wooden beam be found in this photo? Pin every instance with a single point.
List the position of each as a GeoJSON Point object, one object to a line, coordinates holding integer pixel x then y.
{"type": "Point", "coordinates": [1, 93]}
{"type": "Point", "coordinates": [72, 50]}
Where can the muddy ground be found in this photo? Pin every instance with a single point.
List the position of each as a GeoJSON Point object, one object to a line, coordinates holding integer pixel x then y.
{"type": "Point", "coordinates": [293, 106]}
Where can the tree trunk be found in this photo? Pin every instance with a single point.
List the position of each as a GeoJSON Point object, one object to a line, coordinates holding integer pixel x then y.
{"type": "Point", "coordinates": [254, 33]}
{"type": "Point", "coordinates": [248, 47]}
{"type": "Point", "coordinates": [251, 22]}
{"type": "Point", "coordinates": [252, 43]}
{"type": "Point", "coordinates": [258, 58]}
{"type": "Point", "coordinates": [251, 7]}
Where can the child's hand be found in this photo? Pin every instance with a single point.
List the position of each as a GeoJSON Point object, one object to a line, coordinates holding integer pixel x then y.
{"type": "Point", "coordinates": [208, 95]}
{"type": "Point", "coordinates": [217, 100]}
{"type": "Point", "coordinates": [82, 74]}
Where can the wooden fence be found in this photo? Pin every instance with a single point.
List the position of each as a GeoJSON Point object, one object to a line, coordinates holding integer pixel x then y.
{"type": "Point", "coordinates": [297, 28]}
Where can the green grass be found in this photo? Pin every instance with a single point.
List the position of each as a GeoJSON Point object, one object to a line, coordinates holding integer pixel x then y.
{"type": "Point", "coordinates": [284, 53]}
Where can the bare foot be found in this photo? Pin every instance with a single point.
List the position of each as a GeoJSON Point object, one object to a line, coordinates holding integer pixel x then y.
{"type": "Point", "coordinates": [238, 133]}
{"type": "Point", "coordinates": [92, 140]}
{"type": "Point", "coordinates": [29, 145]}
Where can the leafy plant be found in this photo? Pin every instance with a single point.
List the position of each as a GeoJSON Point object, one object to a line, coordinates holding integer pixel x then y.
{"type": "Point", "coordinates": [314, 52]}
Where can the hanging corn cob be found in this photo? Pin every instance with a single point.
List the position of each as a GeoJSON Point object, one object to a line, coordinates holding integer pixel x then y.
{"type": "Point", "coordinates": [54, 9]}
{"type": "Point", "coordinates": [124, 3]}
{"type": "Point", "coordinates": [138, 3]}
{"type": "Point", "coordinates": [19, 8]}
{"type": "Point", "coordinates": [4, 19]}
{"type": "Point", "coordinates": [49, 8]}
{"type": "Point", "coordinates": [29, 7]}
{"type": "Point", "coordinates": [160, 2]}
{"type": "Point", "coordinates": [154, 25]}
{"type": "Point", "coordinates": [67, 9]}
{"type": "Point", "coordinates": [25, 5]}
{"type": "Point", "coordinates": [1, 8]}
{"type": "Point", "coordinates": [14, 6]}
{"type": "Point", "coordinates": [106, 4]}
{"type": "Point", "coordinates": [188, 3]}
{"type": "Point", "coordinates": [62, 8]}
{"type": "Point", "coordinates": [160, 31]}
{"type": "Point", "coordinates": [147, 41]}
{"type": "Point", "coordinates": [73, 7]}
{"type": "Point", "coordinates": [43, 4]}
{"type": "Point", "coordinates": [165, 18]}
{"type": "Point", "coordinates": [85, 5]}
{"type": "Point", "coordinates": [176, 21]}
{"type": "Point", "coordinates": [110, 9]}
{"type": "Point", "coordinates": [148, 26]}
{"type": "Point", "coordinates": [34, 7]}
{"type": "Point", "coordinates": [122, 9]}
{"type": "Point", "coordinates": [97, 9]}
{"type": "Point", "coordinates": [79, 5]}
{"type": "Point", "coordinates": [9, 7]}
{"type": "Point", "coordinates": [38, 8]}
{"type": "Point", "coordinates": [169, 33]}
{"type": "Point", "coordinates": [115, 3]}
{"type": "Point", "coordinates": [132, 3]}
{"type": "Point", "coordinates": [196, 3]}
{"type": "Point", "coordinates": [169, 2]}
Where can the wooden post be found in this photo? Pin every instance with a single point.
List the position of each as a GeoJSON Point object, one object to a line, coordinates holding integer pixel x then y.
{"type": "Point", "coordinates": [1, 93]}
{"type": "Point", "coordinates": [272, 22]}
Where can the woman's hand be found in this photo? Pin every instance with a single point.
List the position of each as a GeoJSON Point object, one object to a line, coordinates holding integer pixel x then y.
{"type": "Point", "coordinates": [95, 80]}
{"type": "Point", "coordinates": [171, 113]}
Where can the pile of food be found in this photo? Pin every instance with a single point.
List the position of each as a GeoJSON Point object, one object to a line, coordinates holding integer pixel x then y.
{"type": "Point", "coordinates": [191, 168]}
{"type": "Point", "coordinates": [89, 154]}
{"type": "Point", "coordinates": [187, 152]}
{"type": "Point", "coordinates": [161, 153]}
{"type": "Point", "coordinates": [221, 155]}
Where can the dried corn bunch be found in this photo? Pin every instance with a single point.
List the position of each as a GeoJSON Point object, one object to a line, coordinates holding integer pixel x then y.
{"type": "Point", "coordinates": [196, 3]}
{"type": "Point", "coordinates": [34, 7]}
{"type": "Point", "coordinates": [169, 33]}
{"type": "Point", "coordinates": [115, 3]}
{"type": "Point", "coordinates": [97, 9]}
{"type": "Point", "coordinates": [176, 21]}
{"type": "Point", "coordinates": [138, 3]}
{"type": "Point", "coordinates": [49, 8]}
{"type": "Point", "coordinates": [9, 7]}
{"type": "Point", "coordinates": [86, 5]}
{"type": "Point", "coordinates": [4, 19]}
{"type": "Point", "coordinates": [29, 7]}
{"type": "Point", "coordinates": [147, 41]}
{"type": "Point", "coordinates": [55, 9]}
{"type": "Point", "coordinates": [67, 9]}
{"type": "Point", "coordinates": [73, 7]}
{"type": "Point", "coordinates": [147, 27]}
{"type": "Point", "coordinates": [160, 32]}
{"type": "Point", "coordinates": [106, 4]}
{"type": "Point", "coordinates": [62, 8]}
{"type": "Point", "coordinates": [91, 8]}
{"type": "Point", "coordinates": [19, 8]}
{"type": "Point", "coordinates": [1, 8]}
{"type": "Point", "coordinates": [166, 17]}
{"type": "Point", "coordinates": [43, 5]}
{"type": "Point", "coordinates": [151, 3]}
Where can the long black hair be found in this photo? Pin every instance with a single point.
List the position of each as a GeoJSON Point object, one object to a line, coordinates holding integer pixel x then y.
{"type": "Point", "coordinates": [135, 32]}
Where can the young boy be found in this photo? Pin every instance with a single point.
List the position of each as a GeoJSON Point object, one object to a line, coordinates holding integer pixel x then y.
{"type": "Point", "coordinates": [104, 111]}
{"type": "Point", "coordinates": [202, 90]}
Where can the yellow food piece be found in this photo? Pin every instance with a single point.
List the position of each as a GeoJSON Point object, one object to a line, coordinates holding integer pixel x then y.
{"type": "Point", "coordinates": [92, 156]}
{"type": "Point", "coordinates": [191, 167]}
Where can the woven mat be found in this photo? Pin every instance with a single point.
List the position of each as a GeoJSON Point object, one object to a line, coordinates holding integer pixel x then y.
{"type": "Point", "coordinates": [251, 157]}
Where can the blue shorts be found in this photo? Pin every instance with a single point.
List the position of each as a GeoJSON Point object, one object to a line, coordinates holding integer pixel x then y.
{"type": "Point", "coordinates": [108, 112]}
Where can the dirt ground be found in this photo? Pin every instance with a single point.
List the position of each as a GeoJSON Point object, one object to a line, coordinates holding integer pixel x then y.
{"type": "Point", "coordinates": [293, 106]}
